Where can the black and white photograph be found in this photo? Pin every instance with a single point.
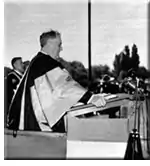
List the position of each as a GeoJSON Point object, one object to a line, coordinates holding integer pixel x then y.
{"type": "Point", "coordinates": [76, 80]}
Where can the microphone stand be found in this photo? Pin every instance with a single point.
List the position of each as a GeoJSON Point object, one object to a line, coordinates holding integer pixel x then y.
{"type": "Point", "coordinates": [134, 148]}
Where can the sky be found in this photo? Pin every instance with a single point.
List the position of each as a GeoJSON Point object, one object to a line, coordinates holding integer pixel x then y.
{"type": "Point", "coordinates": [114, 24]}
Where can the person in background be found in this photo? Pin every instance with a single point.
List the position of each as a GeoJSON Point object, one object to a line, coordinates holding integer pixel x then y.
{"type": "Point", "coordinates": [13, 78]}
{"type": "Point", "coordinates": [12, 81]}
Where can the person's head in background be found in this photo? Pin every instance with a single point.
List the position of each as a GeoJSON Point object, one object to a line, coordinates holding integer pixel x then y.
{"type": "Point", "coordinates": [51, 43]}
{"type": "Point", "coordinates": [17, 64]}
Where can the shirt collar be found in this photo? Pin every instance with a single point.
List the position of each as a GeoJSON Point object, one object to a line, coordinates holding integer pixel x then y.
{"type": "Point", "coordinates": [18, 72]}
{"type": "Point", "coordinates": [43, 52]}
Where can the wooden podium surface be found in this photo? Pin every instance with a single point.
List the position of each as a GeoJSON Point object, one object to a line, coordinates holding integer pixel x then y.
{"type": "Point", "coordinates": [120, 100]}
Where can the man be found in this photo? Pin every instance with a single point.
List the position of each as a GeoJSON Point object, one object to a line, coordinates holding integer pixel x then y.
{"type": "Point", "coordinates": [12, 81]}
{"type": "Point", "coordinates": [14, 77]}
{"type": "Point", "coordinates": [47, 91]}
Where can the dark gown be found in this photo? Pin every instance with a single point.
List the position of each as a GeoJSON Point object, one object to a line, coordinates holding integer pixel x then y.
{"type": "Point", "coordinates": [12, 81]}
{"type": "Point", "coordinates": [39, 65]}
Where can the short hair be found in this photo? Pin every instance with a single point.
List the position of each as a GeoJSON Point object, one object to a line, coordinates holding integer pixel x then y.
{"type": "Point", "coordinates": [14, 60]}
{"type": "Point", "coordinates": [47, 35]}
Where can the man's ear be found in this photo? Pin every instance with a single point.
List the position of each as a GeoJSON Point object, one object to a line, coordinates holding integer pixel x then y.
{"type": "Point", "coordinates": [15, 65]}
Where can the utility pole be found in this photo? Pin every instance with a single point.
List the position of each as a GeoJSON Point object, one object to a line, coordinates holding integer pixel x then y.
{"type": "Point", "coordinates": [148, 36]}
{"type": "Point", "coordinates": [89, 42]}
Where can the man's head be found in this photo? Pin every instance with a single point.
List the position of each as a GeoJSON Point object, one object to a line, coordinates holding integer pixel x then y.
{"type": "Point", "coordinates": [17, 64]}
{"type": "Point", "coordinates": [51, 43]}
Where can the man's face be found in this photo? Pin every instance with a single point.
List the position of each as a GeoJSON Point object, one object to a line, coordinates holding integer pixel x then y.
{"type": "Point", "coordinates": [19, 66]}
{"type": "Point", "coordinates": [55, 45]}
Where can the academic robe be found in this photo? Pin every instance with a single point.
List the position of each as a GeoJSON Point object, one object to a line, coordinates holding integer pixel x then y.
{"type": "Point", "coordinates": [45, 94]}
{"type": "Point", "coordinates": [12, 82]}
{"type": "Point", "coordinates": [10, 85]}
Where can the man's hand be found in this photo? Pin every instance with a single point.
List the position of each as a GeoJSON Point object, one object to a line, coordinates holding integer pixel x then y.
{"type": "Point", "coordinates": [98, 100]}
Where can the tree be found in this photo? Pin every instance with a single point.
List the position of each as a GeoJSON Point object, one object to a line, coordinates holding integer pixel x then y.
{"type": "Point", "coordinates": [117, 65]}
{"type": "Point", "coordinates": [127, 60]}
{"type": "Point", "coordinates": [122, 75]}
{"type": "Point", "coordinates": [123, 62]}
{"type": "Point", "coordinates": [105, 69]}
{"type": "Point", "coordinates": [99, 70]}
{"type": "Point", "coordinates": [127, 51]}
{"type": "Point", "coordinates": [143, 72]}
{"type": "Point", "coordinates": [77, 71]}
{"type": "Point", "coordinates": [96, 72]}
{"type": "Point", "coordinates": [135, 60]}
